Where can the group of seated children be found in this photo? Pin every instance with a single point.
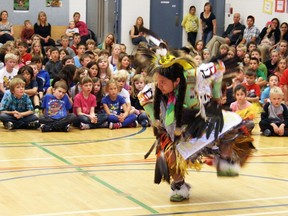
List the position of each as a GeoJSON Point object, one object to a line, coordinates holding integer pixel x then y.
{"type": "Point", "coordinates": [89, 107]}
{"type": "Point", "coordinates": [274, 117]}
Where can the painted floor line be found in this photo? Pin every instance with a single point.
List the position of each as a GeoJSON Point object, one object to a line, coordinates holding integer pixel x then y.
{"type": "Point", "coordinates": [69, 157]}
{"type": "Point", "coordinates": [223, 202]}
{"type": "Point", "coordinates": [167, 206]}
{"type": "Point", "coordinates": [261, 213]}
{"type": "Point", "coordinates": [86, 211]}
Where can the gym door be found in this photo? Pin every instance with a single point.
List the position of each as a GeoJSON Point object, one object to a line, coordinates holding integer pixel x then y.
{"type": "Point", "coordinates": [165, 21]}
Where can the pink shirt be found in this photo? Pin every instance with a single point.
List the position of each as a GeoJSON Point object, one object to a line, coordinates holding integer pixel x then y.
{"type": "Point", "coordinates": [84, 103]}
{"type": "Point", "coordinates": [235, 106]}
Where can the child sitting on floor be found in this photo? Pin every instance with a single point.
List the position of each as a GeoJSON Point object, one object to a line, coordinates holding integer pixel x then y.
{"type": "Point", "coordinates": [274, 119]}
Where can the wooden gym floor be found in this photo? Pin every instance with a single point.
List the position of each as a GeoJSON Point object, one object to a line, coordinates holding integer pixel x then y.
{"type": "Point", "coordinates": [102, 172]}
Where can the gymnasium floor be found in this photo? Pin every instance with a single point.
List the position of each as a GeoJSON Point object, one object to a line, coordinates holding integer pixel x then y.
{"type": "Point", "coordinates": [103, 172]}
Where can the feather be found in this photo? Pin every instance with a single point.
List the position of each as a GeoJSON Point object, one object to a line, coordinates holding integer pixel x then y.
{"type": "Point", "coordinates": [161, 169]}
{"type": "Point", "coordinates": [215, 118]}
{"type": "Point", "coordinates": [150, 150]}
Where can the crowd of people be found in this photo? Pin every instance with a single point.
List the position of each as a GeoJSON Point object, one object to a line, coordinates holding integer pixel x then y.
{"type": "Point", "coordinates": [78, 83]}
{"type": "Point", "coordinates": [261, 56]}
{"type": "Point", "coordinates": [90, 85]}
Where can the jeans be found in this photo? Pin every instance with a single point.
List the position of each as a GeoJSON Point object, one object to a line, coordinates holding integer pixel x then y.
{"type": "Point", "coordinates": [57, 124]}
{"type": "Point", "coordinates": [6, 37]}
{"type": "Point", "coordinates": [142, 117]}
{"type": "Point", "coordinates": [18, 123]}
{"type": "Point", "coordinates": [128, 120]}
{"type": "Point", "coordinates": [101, 118]}
{"type": "Point", "coordinates": [206, 37]}
{"type": "Point", "coordinates": [137, 40]}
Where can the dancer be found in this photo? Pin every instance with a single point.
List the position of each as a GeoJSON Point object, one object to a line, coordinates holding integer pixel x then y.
{"type": "Point", "coordinates": [187, 100]}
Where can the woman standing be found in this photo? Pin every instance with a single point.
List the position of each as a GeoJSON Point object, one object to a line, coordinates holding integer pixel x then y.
{"type": "Point", "coordinates": [43, 28]}
{"type": "Point", "coordinates": [136, 34]}
{"type": "Point", "coordinates": [6, 28]}
{"type": "Point", "coordinates": [208, 23]}
{"type": "Point", "coordinates": [83, 29]}
{"type": "Point", "coordinates": [191, 25]}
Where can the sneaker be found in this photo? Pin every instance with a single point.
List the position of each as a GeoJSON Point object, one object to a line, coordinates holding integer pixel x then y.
{"type": "Point", "coordinates": [104, 125]}
{"type": "Point", "coordinates": [84, 126]}
{"type": "Point", "coordinates": [45, 128]}
{"type": "Point", "coordinates": [179, 191]}
{"type": "Point", "coordinates": [67, 128]}
{"type": "Point", "coordinates": [115, 125]}
{"type": "Point", "coordinates": [267, 133]}
{"type": "Point", "coordinates": [34, 124]}
{"type": "Point", "coordinates": [134, 124]}
{"type": "Point", "coordinates": [9, 126]}
{"type": "Point", "coordinates": [144, 123]}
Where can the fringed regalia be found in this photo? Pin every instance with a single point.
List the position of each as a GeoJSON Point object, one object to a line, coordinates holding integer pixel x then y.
{"type": "Point", "coordinates": [196, 132]}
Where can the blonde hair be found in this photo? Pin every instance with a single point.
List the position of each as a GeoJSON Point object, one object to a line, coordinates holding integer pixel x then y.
{"type": "Point", "coordinates": [111, 81]}
{"type": "Point", "coordinates": [121, 74]}
{"type": "Point", "coordinates": [14, 82]}
{"type": "Point", "coordinates": [137, 77]}
{"type": "Point", "coordinates": [38, 20]}
{"type": "Point", "coordinates": [276, 90]}
{"type": "Point", "coordinates": [32, 49]}
{"type": "Point", "coordinates": [10, 56]}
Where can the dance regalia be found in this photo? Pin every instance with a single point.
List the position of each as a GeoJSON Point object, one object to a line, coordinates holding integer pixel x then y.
{"type": "Point", "coordinates": [206, 132]}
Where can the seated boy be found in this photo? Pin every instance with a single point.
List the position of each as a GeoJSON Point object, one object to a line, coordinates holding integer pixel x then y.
{"type": "Point", "coordinates": [274, 119]}
{"type": "Point", "coordinates": [25, 56]}
{"type": "Point", "coordinates": [17, 109]}
{"type": "Point", "coordinates": [273, 80]}
{"type": "Point", "coordinates": [260, 76]}
{"type": "Point", "coordinates": [253, 90]}
{"type": "Point", "coordinates": [56, 108]}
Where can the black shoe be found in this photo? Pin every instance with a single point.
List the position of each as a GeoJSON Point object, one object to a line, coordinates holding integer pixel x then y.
{"type": "Point", "coordinates": [34, 124]}
{"type": "Point", "coordinates": [9, 125]}
{"type": "Point", "coordinates": [145, 123]}
{"type": "Point", "coordinates": [67, 128]}
{"type": "Point", "coordinates": [45, 128]}
{"type": "Point", "coordinates": [267, 133]}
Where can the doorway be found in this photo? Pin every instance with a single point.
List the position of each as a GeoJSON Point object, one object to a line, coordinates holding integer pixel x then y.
{"type": "Point", "coordinates": [165, 21]}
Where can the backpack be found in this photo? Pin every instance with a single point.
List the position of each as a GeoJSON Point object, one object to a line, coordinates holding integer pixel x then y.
{"type": "Point", "coordinates": [92, 35]}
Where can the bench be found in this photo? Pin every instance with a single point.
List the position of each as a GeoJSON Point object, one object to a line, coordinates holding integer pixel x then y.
{"type": "Point", "coordinates": [56, 31]}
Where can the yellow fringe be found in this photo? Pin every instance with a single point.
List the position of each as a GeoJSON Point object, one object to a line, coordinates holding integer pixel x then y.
{"type": "Point", "coordinates": [250, 112]}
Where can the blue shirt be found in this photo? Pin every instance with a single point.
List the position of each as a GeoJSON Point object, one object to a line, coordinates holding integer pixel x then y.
{"type": "Point", "coordinates": [114, 106]}
{"type": "Point", "coordinates": [11, 103]}
{"type": "Point", "coordinates": [55, 108]}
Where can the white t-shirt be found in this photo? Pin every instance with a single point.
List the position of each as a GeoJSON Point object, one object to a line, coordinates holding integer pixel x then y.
{"type": "Point", "coordinates": [6, 77]}
{"type": "Point", "coordinates": [125, 94]}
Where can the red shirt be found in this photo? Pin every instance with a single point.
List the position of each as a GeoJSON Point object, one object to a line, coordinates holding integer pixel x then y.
{"type": "Point", "coordinates": [284, 78]}
{"type": "Point", "coordinates": [253, 89]}
{"type": "Point", "coordinates": [84, 103]}
{"type": "Point", "coordinates": [26, 58]}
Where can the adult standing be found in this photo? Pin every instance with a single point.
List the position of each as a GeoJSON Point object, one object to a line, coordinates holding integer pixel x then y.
{"type": "Point", "coordinates": [232, 35]}
{"type": "Point", "coordinates": [191, 25]}
{"type": "Point", "coordinates": [136, 33]}
{"type": "Point", "coordinates": [83, 29]}
{"type": "Point", "coordinates": [208, 23]}
{"type": "Point", "coordinates": [43, 28]}
{"type": "Point", "coordinates": [6, 28]}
